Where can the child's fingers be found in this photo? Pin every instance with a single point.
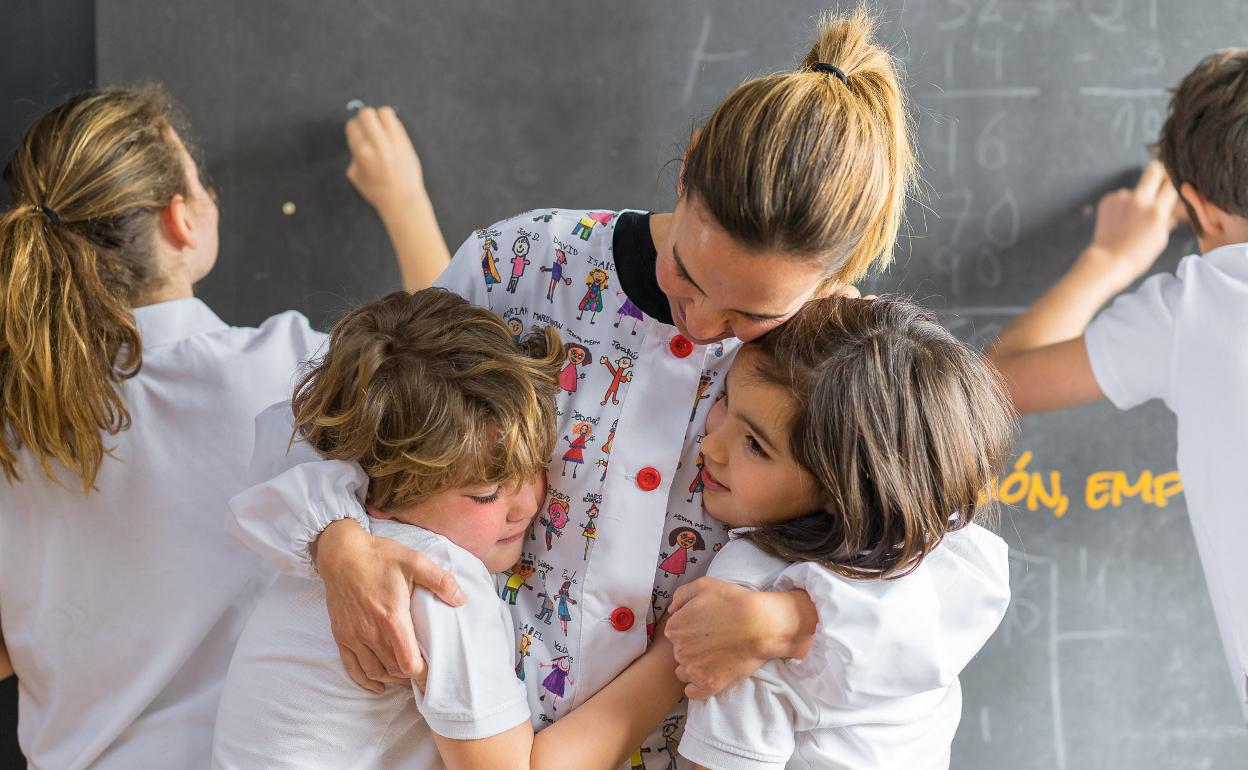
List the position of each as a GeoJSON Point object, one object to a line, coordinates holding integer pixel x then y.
{"type": "Point", "coordinates": [393, 126]}
{"type": "Point", "coordinates": [355, 136]}
{"type": "Point", "coordinates": [1151, 180]}
{"type": "Point", "coordinates": [1168, 200]}
{"type": "Point", "coordinates": [370, 124]}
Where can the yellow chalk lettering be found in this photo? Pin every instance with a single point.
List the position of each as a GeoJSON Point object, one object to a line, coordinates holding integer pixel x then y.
{"type": "Point", "coordinates": [1142, 488]}
{"type": "Point", "coordinates": [1166, 486]}
{"type": "Point", "coordinates": [1096, 492]}
{"type": "Point", "coordinates": [1014, 488]}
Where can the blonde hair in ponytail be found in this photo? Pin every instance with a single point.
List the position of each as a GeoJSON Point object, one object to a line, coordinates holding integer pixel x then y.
{"type": "Point", "coordinates": [87, 182]}
{"type": "Point", "coordinates": [808, 165]}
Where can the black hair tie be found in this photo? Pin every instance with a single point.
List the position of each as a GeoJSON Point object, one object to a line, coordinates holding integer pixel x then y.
{"type": "Point", "coordinates": [831, 69]}
{"type": "Point", "coordinates": [51, 214]}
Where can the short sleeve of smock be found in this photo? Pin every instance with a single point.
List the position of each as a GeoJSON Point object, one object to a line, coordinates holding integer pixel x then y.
{"type": "Point", "coordinates": [1130, 344]}
{"type": "Point", "coordinates": [472, 691]}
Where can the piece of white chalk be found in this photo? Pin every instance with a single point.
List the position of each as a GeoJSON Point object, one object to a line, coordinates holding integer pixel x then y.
{"type": "Point", "coordinates": [355, 105]}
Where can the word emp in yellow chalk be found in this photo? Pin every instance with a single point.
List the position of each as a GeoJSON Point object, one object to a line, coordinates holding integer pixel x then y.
{"type": "Point", "coordinates": [1101, 489]}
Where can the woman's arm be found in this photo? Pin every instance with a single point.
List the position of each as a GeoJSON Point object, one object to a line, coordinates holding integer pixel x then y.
{"type": "Point", "coordinates": [387, 173]}
{"type": "Point", "coordinates": [722, 632]}
{"type": "Point", "coordinates": [601, 733]}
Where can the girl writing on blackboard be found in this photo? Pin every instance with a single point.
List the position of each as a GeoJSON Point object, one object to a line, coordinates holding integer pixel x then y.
{"type": "Point", "coordinates": [849, 452]}
{"type": "Point", "coordinates": [126, 412]}
{"type": "Point", "coordinates": [794, 188]}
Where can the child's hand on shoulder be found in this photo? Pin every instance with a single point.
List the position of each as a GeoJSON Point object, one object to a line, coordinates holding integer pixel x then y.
{"type": "Point", "coordinates": [1133, 226]}
{"type": "Point", "coordinates": [384, 166]}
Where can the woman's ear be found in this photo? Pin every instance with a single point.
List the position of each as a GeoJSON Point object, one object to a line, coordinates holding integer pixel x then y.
{"type": "Point", "coordinates": [176, 225]}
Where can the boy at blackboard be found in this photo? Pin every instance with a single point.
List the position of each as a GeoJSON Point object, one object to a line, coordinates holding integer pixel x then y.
{"type": "Point", "coordinates": [1179, 337]}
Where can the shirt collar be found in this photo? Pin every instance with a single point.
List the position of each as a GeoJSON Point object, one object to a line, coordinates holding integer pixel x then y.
{"type": "Point", "coordinates": [635, 261]}
{"type": "Point", "coordinates": [167, 322]}
{"type": "Point", "coordinates": [1232, 258]}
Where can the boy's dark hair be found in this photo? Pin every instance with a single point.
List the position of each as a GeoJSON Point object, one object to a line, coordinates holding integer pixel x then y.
{"type": "Point", "coordinates": [902, 426]}
{"type": "Point", "coordinates": [427, 393]}
{"type": "Point", "coordinates": [1204, 140]}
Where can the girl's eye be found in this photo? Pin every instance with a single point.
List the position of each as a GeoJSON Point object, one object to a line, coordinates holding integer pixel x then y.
{"type": "Point", "coordinates": [756, 448]}
{"type": "Point", "coordinates": [486, 499]}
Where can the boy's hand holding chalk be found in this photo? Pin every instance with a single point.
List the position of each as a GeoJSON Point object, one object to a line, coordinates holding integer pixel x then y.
{"type": "Point", "coordinates": [1133, 227]}
{"type": "Point", "coordinates": [384, 166]}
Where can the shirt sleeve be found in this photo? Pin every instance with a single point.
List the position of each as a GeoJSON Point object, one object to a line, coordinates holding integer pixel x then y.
{"type": "Point", "coordinates": [1130, 343]}
{"type": "Point", "coordinates": [749, 727]}
{"type": "Point", "coordinates": [472, 691]}
{"type": "Point", "coordinates": [296, 495]}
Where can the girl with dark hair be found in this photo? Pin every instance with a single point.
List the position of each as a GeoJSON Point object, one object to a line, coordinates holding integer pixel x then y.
{"type": "Point", "coordinates": [850, 452]}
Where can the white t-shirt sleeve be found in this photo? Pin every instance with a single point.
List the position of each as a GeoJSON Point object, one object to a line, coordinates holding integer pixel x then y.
{"type": "Point", "coordinates": [472, 691]}
{"type": "Point", "coordinates": [1130, 344]}
{"type": "Point", "coordinates": [296, 495]}
{"type": "Point", "coordinates": [749, 727]}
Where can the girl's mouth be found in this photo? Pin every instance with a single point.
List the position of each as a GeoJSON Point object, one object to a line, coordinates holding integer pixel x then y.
{"type": "Point", "coordinates": [710, 483]}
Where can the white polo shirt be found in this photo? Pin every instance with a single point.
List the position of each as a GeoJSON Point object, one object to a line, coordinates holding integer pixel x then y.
{"type": "Point", "coordinates": [289, 704]}
{"type": "Point", "coordinates": [1183, 338]}
{"type": "Point", "coordinates": [120, 608]}
{"type": "Point", "coordinates": [893, 648]}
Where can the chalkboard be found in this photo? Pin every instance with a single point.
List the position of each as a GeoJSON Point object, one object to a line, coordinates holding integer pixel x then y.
{"type": "Point", "coordinates": [1025, 112]}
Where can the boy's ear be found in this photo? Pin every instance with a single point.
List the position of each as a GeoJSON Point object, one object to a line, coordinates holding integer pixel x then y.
{"type": "Point", "coordinates": [1205, 218]}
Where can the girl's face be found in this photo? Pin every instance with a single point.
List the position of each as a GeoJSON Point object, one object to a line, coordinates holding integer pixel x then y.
{"type": "Point", "coordinates": [712, 282]}
{"type": "Point", "coordinates": [750, 477]}
{"type": "Point", "coordinates": [487, 521]}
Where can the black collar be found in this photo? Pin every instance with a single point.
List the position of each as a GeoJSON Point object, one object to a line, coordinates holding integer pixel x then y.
{"type": "Point", "coordinates": [635, 260]}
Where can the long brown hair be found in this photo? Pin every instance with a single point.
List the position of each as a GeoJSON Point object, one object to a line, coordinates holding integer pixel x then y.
{"type": "Point", "coordinates": [87, 182]}
{"type": "Point", "coordinates": [428, 392]}
{"type": "Point", "coordinates": [807, 164]}
{"type": "Point", "coordinates": [901, 425]}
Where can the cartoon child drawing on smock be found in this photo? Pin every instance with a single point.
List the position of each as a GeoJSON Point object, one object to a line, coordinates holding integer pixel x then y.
{"type": "Point", "coordinates": [522, 652]}
{"type": "Point", "coordinates": [592, 301]}
{"type": "Point", "coordinates": [685, 539]}
{"type": "Point", "coordinates": [519, 260]}
{"type": "Point", "coordinates": [585, 226]}
{"type": "Point", "coordinates": [576, 446]}
{"type": "Point", "coordinates": [575, 355]}
{"type": "Point", "coordinates": [518, 578]}
{"type": "Point", "coordinates": [619, 373]}
{"type": "Point", "coordinates": [627, 310]}
{"type": "Point", "coordinates": [489, 266]}
{"type": "Point", "coordinates": [554, 521]}
{"type": "Point", "coordinates": [553, 684]}
{"type": "Point", "coordinates": [556, 274]}
{"type": "Point", "coordinates": [548, 603]}
{"type": "Point", "coordinates": [564, 597]}
{"type": "Point", "coordinates": [698, 482]}
{"type": "Point", "coordinates": [590, 528]}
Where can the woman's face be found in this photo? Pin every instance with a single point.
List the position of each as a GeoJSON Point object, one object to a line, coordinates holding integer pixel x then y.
{"type": "Point", "coordinates": [712, 282]}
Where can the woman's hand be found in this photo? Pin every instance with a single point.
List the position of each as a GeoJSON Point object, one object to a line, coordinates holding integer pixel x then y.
{"type": "Point", "coordinates": [368, 586]}
{"type": "Point", "coordinates": [384, 166]}
{"type": "Point", "coordinates": [721, 633]}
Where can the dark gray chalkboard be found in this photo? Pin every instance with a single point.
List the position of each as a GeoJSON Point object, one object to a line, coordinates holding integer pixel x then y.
{"type": "Point", "coordinates": [1026, 111]}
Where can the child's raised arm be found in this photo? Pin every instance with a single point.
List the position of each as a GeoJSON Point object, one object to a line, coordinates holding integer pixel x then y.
{"type": "Point", "coordinates": [387, 173]}
{"type": "Point", "coordinates": [1042, 353]}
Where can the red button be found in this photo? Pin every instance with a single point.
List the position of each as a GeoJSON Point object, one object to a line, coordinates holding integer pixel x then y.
{"type": "Point", "coordinates": [680, 346]}
{"type": "Point", "coordinates": [622, 619]}
{"type": "Point", "coordinates": [649, 479]}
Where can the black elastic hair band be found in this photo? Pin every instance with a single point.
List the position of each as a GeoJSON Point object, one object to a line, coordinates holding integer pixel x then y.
{"type": "Point", "coordinates": [51, 214]}
{"type": "Point", "coordinates": [831, 69]}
